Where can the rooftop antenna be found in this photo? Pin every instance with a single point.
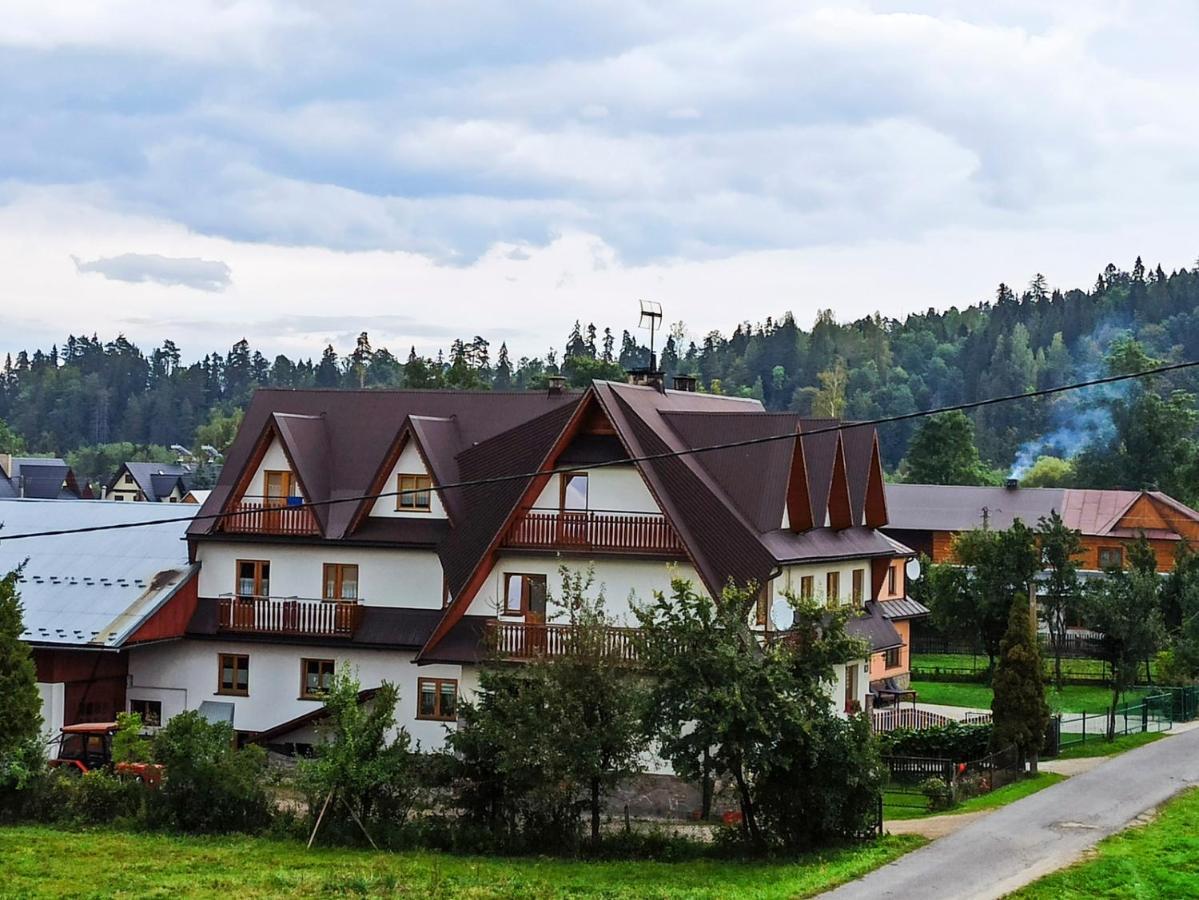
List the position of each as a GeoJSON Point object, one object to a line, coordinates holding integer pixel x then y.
{"type": "Point", "coordinates": [651, 318]}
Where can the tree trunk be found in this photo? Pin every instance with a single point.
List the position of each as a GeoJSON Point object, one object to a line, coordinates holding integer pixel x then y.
{"type": "Point", "coordinates": [1032, 763]}
{"type": "Point", "coordinates": [748, 821]}
{"type": "Point", "coordinates": [1111, 715]}
{"type": "Point", "coordinates": [595, 811]}
{"type": "Point", "coordinates": [1148, 672]}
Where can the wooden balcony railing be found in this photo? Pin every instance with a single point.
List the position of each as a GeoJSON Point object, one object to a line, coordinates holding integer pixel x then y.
{"type": "Point", "coordinates": [258, 517]}
{"type": "Point", "coordinates": [282, 615]}
{"type": "Point", "coordinates": [530, 640]}
{"type": "Point", "coordinates": [595, 531]}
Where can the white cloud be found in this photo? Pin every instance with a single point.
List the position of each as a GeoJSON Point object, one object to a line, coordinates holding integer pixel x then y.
{"type": "Point", "coordinates": [193, 272]}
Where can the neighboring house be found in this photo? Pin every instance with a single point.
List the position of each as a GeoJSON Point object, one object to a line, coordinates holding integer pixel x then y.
{"type": "Point", "coordinates": [150, 482]}
{"type": "Point", "coordinates": [88, 598]}
{"type": "Point", "coordinates": [926, 517]}
{"type": "Point", "coordinates": [195, 496]}
{"type": "Point", "coordinates": [415, 588]}
{"type": "Point", "coordinates": [38, 478]}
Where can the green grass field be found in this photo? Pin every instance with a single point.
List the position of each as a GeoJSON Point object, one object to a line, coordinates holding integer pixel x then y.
{"type": "Point", "coordinates": [1160, 859]}
{"type": "Point", "coordinates": [900, 808]}
{"type": "Point", "coordinates": [1071, 668]}
{"type": "Point", "coordinates": [43, 862]}
{"type": "Point", "coordinates": [1072, 698]}
{"type": "Point", "coordinates": [1110, 748]}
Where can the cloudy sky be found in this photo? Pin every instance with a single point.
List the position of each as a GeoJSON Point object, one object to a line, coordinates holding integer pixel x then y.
{"type": "Point", "coordinates": [297, 173]}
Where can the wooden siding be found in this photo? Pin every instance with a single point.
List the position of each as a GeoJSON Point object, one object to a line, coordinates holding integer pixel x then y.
{"type": "Point", "coordinates": [170, 620]}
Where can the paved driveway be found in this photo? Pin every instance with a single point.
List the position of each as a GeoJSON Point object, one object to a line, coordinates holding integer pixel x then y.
{"type": "Point", "coordinates": [1040, 834]}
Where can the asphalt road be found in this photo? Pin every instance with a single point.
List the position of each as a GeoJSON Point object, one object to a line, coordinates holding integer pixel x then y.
{"type": "Point", "coordinates": [1042, 833]}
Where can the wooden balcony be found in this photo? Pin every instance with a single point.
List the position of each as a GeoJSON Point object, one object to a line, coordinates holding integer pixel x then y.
{"type": "Point", "coordinates": [590, 532]}
{"type": "Point", "coordinates": [288, 615]}
{"type": "Point", "coordinates": [519, 641]}
{"type": "Point", "coordinates": [259, 517]}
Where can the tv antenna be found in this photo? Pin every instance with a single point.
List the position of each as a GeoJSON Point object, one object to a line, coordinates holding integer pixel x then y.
{"type": "Point", "coordinates": [651, 318]}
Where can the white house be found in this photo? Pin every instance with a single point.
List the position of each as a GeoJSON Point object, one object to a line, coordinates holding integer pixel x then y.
{"type": "Point", "coordinates": [402, 532]}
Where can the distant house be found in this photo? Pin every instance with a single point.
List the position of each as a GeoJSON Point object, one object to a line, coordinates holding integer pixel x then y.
{"type": "Point", "coordinates": [150, 482]}
{"type": "Point", "coordinates": [88, 598]}
{"type": "Point", "coordinates": [38, 478]}
{"type": "Point", "coordinates": [926, 517]}
{"type": "Point", "coordinates": [196, 496]}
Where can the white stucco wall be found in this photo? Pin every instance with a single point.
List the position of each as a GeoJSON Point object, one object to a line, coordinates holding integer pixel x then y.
{"type": "Point", "coordinates": [409, 463]}
{"type": "Point", "coordinates": [619, 578]}
{"type": "Point", "coordinates": [612, 489]}
{"type": "Point", "coordinates": [275, 460]}
{"type": "Point", "coordinates": [184, 674]}
{"type": "Point", "coordinates": [790, 580]}
{"type": "Point", "coordinates": [54, 696]}
{"type": "Point", "coordinates": [386, 577]}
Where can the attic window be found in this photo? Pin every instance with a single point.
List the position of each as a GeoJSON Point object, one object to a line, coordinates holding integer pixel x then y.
{"type": "Point", "coordinates": [415, 493]}
{"type": "Point", "coordinates": [277, 486]}
{"type": "Point", "coordinates": [1111, 557]}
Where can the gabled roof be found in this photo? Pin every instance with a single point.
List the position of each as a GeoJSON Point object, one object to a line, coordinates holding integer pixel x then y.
{"type": "Point", "coordinates": [93, 589]}
{"type": "Point", "coordinates": [38, 478]}
{"type": "Point", "coordinates": [155, 480]}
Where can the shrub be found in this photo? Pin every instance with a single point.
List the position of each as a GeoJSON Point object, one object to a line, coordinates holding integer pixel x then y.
{"type": "Point", "coordinates": [99, 798]}
{"type": "Point", "coordinates": [128, 745]}
{"type": "Point", "coordinates": [938, 792]}
{"type": "Point", "coordinates": [210, 785]}
{"type": "Point", "coordinates": [953, 741]}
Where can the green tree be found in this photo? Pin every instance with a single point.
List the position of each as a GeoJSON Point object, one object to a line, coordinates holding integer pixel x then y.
{"type": "Point", "coordinates": [21, 705]}
{"type": "Point", "coordinates": [10, 441]}
{"type": "Point", "coordinates": [1061, 591]}
{"type": "Point", "coordinates": [1019, 711]}
{"type": "Point", "coordinates": [942, 451]}
{"type": "Point", "coordinates": [1050, 472]}
{"type": "Point", "coordinates": [1124, 607]}
{"type": "Point", "coordinates": [361, 760]}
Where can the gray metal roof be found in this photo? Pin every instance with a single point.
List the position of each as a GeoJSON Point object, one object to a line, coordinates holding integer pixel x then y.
{"type": "Point", "coordinates": [94, 588]}
{"type": "Point", "coordinates": [939, 507]}
{"type": "Point", "coordinates": [905, 608]}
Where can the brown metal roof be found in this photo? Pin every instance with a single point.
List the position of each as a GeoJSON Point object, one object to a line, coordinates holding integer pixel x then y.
{"type": "Point", "coordinates": [874, 628]}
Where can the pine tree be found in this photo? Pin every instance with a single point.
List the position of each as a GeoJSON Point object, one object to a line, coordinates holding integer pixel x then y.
{"type": "Point", "coordinates": [1019, 711]}
{"type": "Point", "coordinates": [20, 704]}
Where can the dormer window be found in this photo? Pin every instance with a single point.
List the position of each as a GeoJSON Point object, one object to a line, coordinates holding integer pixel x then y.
{"type": "Point", "coordinates": [415, 493]}
{"type": "Point", "coordinates": [277, 486]}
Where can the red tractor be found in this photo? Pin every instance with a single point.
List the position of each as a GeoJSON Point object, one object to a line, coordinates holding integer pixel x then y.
{"type": "Point", "coordinates": [88, 746]}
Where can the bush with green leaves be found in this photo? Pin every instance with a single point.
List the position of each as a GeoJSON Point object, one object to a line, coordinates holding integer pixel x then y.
{"type": "Point", "coordinates": [361, 765]}
{"type": "Point", "coordinates": [938, 792]}
{"type": "Point", "coordinates": [129, 745]}
{"type": "Point", "coordinates": [100, 798]}
{"type": "Point", "coordinates": [953, 741]}
{"type": "Point", "coordinates": [210, 785]}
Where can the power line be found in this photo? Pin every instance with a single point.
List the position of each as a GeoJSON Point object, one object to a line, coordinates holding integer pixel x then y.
{"type": "Point", "coordinates": [649, 457]}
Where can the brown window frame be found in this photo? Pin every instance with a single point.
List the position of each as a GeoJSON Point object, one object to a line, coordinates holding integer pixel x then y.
{"type": "Point", "coordinates": [893, 580]}
{"type": "Point", "coordinates": [762, 605]}
{"type": "Point", "coordinates": [339, 582]}
{"type": "Point", "coordinates": [241, 664]}
{"type": "Point", "coordinates": [564, 482]}
{"type": "Point", "coordinates": [306, 694]}
{"type": "Point", "coordinates": [289, 485]}
{"type": "Point", "coordinates": [523, 600]}
{"type": "Point", "coordinates": [1119, 551]}
{"type": "Point", "coordinates": [857, 587]}
{"type": "Point", "coordinates": [832, 587]}
{"type": "Point", "coordinates": [893, 658]}
{"type": "Point", "coordinates": [437, 715]}
{"type": "Point", "coordinates": [411, 482]}
{"type": "Point", "coordinates": [807, 586]}
{"type": "Point", "coordinates": [258, 565]}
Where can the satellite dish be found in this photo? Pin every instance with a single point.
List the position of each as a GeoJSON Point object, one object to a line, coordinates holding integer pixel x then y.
{"type": "Point", "coordinates": [782, 615]}
{"type": "Point", "coordinates": [912, 569]}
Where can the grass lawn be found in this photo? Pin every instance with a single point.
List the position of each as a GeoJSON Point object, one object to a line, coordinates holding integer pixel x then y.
{"type": "Point", "coordinates": [1071, 668]}
{"type": "Point", "coordinates": [1000, 797]}
{"type": "Point", "coordinates": [44, 862]}
{"type": "Point", "coordinates": [1160, 859]}
{"type": "Point", "coordinates": [1111, 748]}
{"type": "Point", "coordinates": [1072, 698]}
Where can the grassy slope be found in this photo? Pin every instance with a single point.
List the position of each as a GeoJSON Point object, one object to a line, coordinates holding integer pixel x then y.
{"type": "Point", "coordinates": [1157, 860]}
{"type": "Point", "coordinates": [42, 862]}
{"type": "Point", "coordinates": [1001, 797]}
{"type": "Point", "coordinates": [1072, 698]}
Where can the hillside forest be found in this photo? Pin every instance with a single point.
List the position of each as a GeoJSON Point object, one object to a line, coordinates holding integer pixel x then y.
{"type": "Point", "coordinates": [99, 402]}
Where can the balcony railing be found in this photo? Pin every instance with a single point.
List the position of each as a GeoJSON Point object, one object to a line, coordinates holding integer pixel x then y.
{"type": "Point", "coordinates": [288, 615]}
{"type": "Point", "coordinates": [611, 532]}
{"type": "Point", "coordinates": [531, 640]}
{"type": "Point", "coordinates": [269, 517]}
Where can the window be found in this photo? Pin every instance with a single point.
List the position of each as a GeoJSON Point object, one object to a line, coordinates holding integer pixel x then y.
{"type": "Point", "coordinates": [316, 677]}
{"type": "Point", "coordinates": [149, 710]}
{"type": "Point", "coordinates": [118, 497]}
{"type": "Point", "coordinates": [341, 582]}
{"type": "Point", "coordinates": [277, 486]}
{"type": "Point", "coordinates": [524, 595]}
{"type": "Point", "coordinates": [832, 587]}
{"type": "Point", "coordinates": [437, 698]}
{"type": "Point", "coordinates": [416, 493]}
{"type": "Point", "coordinates": [893, 580]}
{"type": "Point", "coordinates": [762, 609]}
{"type": "Point", "coordinates": [574, 491]}
{"type": "Point", "coordinates": [851, 686]}
{"type": "Point", "coordinates": [893, 658]}
{"type": "Point", "coordinates": [859, 586]}
{"type": "Point", "coordinates": [1111, 557]}
{"type": "Point", "coordinates": [235, 675]}
{"type": "Point", "coordinates": [253, 578]}
{"type": "Point", "coordinates": [807, 587]}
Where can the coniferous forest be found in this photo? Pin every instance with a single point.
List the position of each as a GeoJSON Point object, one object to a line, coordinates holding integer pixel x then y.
{"type": "Point", "coordinates": [96, 401]}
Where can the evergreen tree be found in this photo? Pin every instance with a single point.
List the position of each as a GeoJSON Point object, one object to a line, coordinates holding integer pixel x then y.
{"type": "Point", "coordinates": [943, 452]}
{"type": "Point", "coordinates": [328, 374]}
{"type": "Point", "coordinates": [1019, 711]}
{"type": "Point", "coordinates": [1062, 592]}
{"type": "Point", "coordinates": [21, 705]}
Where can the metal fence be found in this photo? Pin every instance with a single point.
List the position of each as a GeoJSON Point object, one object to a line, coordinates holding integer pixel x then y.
{"type": "Point", "coordinates": [1184, 700]}
{"type": "Point", "coordinates": [1085, 645]}
{"type": "Point", "coordinates": [906, 774]}
{"type": "Point", "coordinates": [1152, 714]}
